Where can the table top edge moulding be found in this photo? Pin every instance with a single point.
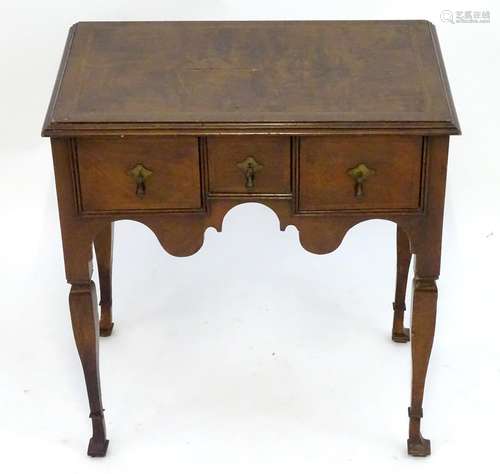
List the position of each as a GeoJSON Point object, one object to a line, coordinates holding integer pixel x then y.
{"type": "Point", "coordinates": [71, 111]}
{"type": "Point", "coordinates": [327, 123]}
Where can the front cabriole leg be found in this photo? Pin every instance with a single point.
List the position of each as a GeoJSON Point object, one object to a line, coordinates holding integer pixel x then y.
{"type": "Point", "coordinates": [426, 246]}
{"type": "Point", "coordinates": [77, 237]}
{"type": "Point", "coordinates": [83, 307]}
{"type": "Point", "coordinates": [422, 333]}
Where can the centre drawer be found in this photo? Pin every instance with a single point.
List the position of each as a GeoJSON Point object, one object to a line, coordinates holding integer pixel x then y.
{"type": "Point", "coordinates": [139, 173]}
{"type": "Point", "coordinates": [360, 173]}
{"type": "Point", "coordinates": [253, 165]}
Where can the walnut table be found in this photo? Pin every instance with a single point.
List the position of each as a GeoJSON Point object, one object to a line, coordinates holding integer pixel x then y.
{"type": "Point", "coordinates": [173, 123]}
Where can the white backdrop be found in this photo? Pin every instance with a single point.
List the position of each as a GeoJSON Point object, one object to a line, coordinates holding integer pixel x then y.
{"type": "Point", "coordinates": [252, 354]}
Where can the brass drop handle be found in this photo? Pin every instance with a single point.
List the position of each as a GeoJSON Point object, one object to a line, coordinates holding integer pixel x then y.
{"type": "Point", "coordinates": [249, 167]}
{"type": "Point", "coordinates": [140, 174]}
{"type": "Point", "coordinates": [360, 173]}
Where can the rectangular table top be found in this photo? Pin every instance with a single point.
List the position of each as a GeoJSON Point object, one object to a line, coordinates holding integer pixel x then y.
{"type": "Point", "coordinates": [277, 74]}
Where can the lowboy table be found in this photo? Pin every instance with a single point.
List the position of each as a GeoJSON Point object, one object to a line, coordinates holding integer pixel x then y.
{"type": "Point", "coordinates": [329, 123]}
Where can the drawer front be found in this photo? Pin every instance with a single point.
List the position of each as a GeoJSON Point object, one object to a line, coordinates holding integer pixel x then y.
{"type": "Point", "coordinates": [360, 173]}
{"type": "Point", "coordinates": [136, 173]}
{"type": "Point", "coordinates": [249, 165]}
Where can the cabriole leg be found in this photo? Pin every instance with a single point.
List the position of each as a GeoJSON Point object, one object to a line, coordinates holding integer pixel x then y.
{"type": "Point", "coordinates": [422, 335]}
{"type": "Point", "coordinates": [399, 332]}
{"type": "Point", "coordinates": [77, 236]}
{"type": "Point", "coordinates": [103, 245]}
{"type": "Point", "coordinates": [83, 307]}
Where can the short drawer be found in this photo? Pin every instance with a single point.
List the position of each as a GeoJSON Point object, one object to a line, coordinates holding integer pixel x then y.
{"type": "Point", "coordinates": [139, 173]}
{"type": "Point", "coordinates": [360, 173]}
{"type": "Point", "coordinates": [249, 165]}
